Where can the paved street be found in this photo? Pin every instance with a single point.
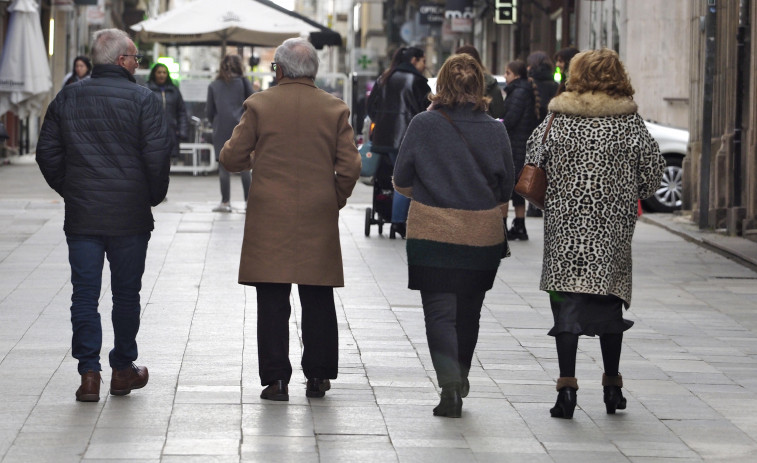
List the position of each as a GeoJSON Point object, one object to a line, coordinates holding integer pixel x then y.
{"type": "Point", "coordinates": [689, 363]}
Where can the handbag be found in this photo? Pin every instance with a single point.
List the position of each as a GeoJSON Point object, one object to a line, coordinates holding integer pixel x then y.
{"type": "Point", "coordinates": [532, 180]}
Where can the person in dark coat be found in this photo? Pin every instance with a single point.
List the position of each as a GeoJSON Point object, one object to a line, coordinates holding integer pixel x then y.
{"type": "Point", "coordinates": [562, 61]}
{"type": "Point", "coordinates": [400, 93]}
{"type": "Point", "coordinates": [173, 104]}
{"type": "Point", "coordinates": [304, 167]}
{"type": "Point", "coordinates": [521, 114]}
{"type": "Point", "coordinates": [600, 159]}
{"type": "Point", "coordinates": [496, 107]}
{"type": "Point", "coordinates": [82, 70]}
{"type": "Point", "coordinates": [455, 163]}
{"type": "Point", "coordinates": [226, 94]}
{"type": "Point", "coordinates": [105, 148]}
{"type": "Point", "coordinates": [541, 73]}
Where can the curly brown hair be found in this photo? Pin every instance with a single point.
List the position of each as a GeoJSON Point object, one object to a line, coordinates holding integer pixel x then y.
{"type": "Point", "coordinates": [460, 81]}
{"type": "Point", "coordinates": [599, 71]}
{"type": "Point", "coordinates": [231, 66]}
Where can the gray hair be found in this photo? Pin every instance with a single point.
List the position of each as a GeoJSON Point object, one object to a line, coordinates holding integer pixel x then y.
{"type": "Point", "coordinates": [297, 58]}
{"type": "Point", "coordinates": [108, 45]}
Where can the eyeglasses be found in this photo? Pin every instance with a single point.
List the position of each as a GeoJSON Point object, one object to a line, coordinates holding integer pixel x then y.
{"type": "Point", "coordinates": [137, 58]}
{"type": "Point", "coordinates": [274, 67]}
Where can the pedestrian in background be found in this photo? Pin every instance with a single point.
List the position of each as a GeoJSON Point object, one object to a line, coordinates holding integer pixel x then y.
{"type": "Point", "coordinates": [562, 61]}
{"type": "Point", "coordinates": [541, 73]}
{"type": "Point", "coordinates": [108, 183]}
{"type": "Point", "coordinates": [455, 163]}
{"type": "Point", "coordinates": [400, 93]}
{"type": "Point", "coordinates": [496, 108]}
{"type": "Point", "coordinates": [522, 109]}
{"type": "Point", "coordinates": [298, 141]}
{"type": "Point", "coordinates": [226, 94]}
{"type": "Point", "coordinates": [82, 70]}
{"type": "Point", "coordinates": [599, 159]}
{"type": "Point", "coordinates": [161, 84]}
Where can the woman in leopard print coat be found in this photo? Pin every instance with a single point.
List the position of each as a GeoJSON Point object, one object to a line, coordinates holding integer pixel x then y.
{"type": "Point", "coordinates": [599, 159]}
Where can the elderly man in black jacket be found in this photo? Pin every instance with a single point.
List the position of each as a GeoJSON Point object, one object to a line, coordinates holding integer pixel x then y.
{"type": "Point", "coordinates": [105, 148]}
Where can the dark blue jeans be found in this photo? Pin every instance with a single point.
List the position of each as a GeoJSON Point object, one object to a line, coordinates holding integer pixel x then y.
{"type": "Point", "coordinates": [126, 255]}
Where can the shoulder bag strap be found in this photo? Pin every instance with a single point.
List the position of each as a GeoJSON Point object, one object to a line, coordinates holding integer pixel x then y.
{"type": "Point", "coordinates": [549, 126]}
{"type": "Point", "coordinates": [446, 116]}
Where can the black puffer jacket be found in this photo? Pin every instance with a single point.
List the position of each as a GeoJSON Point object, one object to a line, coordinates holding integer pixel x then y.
{"type": "Point", "coordinates": [176, 111]}
{"type": "Point", "coordinates": [520, 117]}
{"type": "Point", "coordinates": [392, 105]}
{"type": "Point", "coordinates": [105, 147]}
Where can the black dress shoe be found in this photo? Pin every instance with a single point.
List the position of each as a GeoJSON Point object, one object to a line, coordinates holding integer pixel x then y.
{"type": "Point", "coordinates": [451, 403]}
{"type": "Point", "coordinates": [278, 390]}
{"type": "Point", "coordinates": [317, 387]}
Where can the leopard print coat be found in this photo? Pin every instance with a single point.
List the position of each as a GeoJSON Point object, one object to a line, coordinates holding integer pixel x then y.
{"type": "Point", "coordinates": [600, 159]}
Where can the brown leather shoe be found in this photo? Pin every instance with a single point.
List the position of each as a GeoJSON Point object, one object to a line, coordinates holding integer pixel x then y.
{"type": "Point", "coordinates": [123, 381]}
{"type": "Point", "coordinates": [89, 391]}
{"type": "Point", "coordinates": [278, 390]}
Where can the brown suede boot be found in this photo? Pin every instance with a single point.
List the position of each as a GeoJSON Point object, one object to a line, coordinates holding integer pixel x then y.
{"type": "Point", "coordinates": [89, 391]}
{"type": "Point", "coordinates": [124, 381]}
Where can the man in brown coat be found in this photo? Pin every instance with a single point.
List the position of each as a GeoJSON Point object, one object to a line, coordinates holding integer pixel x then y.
{"type": "Point", "coordinates": [299, 144]}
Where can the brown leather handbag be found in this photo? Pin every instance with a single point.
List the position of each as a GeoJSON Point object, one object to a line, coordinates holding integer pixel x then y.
{"type": "Point", "coordinates": [532, 180]}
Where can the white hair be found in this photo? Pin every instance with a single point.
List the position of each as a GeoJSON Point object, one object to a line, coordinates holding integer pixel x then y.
{"type": "Point", "coordinates": [108, 45]}
{"type": "Point", "coordinates": [298, 58]}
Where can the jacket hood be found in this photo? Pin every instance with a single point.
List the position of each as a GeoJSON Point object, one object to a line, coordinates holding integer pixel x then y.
{"type": "Point", "coordinates": [111, 70]}
{"type": "Point", "coordinates": [407, 67]}
{"type": "Point", "coordinates": [518, 83]}
{"type": "Point", "coordinates": [594, 104]}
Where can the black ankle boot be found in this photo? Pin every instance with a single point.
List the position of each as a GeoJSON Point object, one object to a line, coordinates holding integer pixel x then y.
{"type": "Point", "coordinates": [518, 230]}
{"type": "Point", "coordinates": [465, 387]}
{"type": "Point", "coordinates": [566, 398]}
{"type": "Point", "coordinates": [451, 404]}
{"type": "Point", "coordinates": [613, 396]}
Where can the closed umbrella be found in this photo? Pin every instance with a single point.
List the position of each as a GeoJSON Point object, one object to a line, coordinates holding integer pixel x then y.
{"type": "Point", "coordinates": [24, 71]}
{"type": "Point", "coordinates": [232, 22]}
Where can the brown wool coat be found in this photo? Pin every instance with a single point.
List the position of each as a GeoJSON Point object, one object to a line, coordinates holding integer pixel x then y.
{"type": "Point", "coordinates": [299, 144]}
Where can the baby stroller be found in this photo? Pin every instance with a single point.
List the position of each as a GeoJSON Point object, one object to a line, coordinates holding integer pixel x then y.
{"type": "Point", "coordinates": [383, 194]}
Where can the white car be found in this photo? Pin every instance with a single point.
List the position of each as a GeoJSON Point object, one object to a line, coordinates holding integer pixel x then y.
{"type": "Point", "coordinates": [673, 143]}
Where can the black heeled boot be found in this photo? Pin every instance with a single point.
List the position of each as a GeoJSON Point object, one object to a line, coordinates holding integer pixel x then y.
{"type": "Point", "coordinates": [518, 230]}
{"type": "Point", "coordinates": [465, 387]}
{"type": "Point", "coordinates": [566, 398]}
{"type": "Point", "coordinates": [614, 399]}
{"type": "Point", "coordinates": [451, 403]}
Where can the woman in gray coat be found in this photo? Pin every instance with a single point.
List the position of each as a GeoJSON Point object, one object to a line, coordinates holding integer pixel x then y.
{"type": "Point", "coordinates": [599, 159]}
{"type": "Point", "coordinates": [224, 109]}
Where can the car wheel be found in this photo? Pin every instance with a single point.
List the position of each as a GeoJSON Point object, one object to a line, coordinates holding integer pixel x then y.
{"type": "Point", "coordinates": [667, 198]}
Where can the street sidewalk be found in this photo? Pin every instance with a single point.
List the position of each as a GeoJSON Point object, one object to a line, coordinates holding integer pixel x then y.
{"type": "Point", "coordinates": [689, 363]}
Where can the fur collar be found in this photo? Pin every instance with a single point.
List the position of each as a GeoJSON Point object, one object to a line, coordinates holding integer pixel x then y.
{"type": "Point", "coordinates": [592, 104]}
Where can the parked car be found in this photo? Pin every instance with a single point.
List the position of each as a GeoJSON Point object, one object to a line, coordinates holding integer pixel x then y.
{"type": "Point", "coordinates": [673, 143]}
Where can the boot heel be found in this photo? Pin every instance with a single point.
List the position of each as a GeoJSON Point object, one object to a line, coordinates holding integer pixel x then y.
{"type": "Point", "coordinates": [613, 396]}
{"type": "Point", "coordinates": [451, 403]}
{"type": "Point", "coordinates": [566, 403]}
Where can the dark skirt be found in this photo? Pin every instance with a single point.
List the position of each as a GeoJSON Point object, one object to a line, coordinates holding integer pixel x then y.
{"type": "Point", "coordinates": [587, 314]}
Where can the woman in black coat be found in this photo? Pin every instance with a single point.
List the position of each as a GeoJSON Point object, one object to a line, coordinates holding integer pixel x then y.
{"type": "Point", "coordinates": [400, 93]}
{"type": "Point", "coordinates": [521, 113]}
{"type": "Point", "coordinates": [169, 95]}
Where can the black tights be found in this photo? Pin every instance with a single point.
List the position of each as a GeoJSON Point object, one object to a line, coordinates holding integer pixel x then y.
{"type": "Point", "coordinates": [567, 345]}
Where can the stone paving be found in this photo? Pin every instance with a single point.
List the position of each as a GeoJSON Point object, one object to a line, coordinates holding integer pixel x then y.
{"type": "Point", "coordinates": [689, 363]}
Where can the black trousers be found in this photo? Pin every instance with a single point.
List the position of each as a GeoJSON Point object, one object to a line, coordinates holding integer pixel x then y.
{"type": "Point", "coordinates": [320, 354]}
{"type": "Point", "coordinates": [452, 322]}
